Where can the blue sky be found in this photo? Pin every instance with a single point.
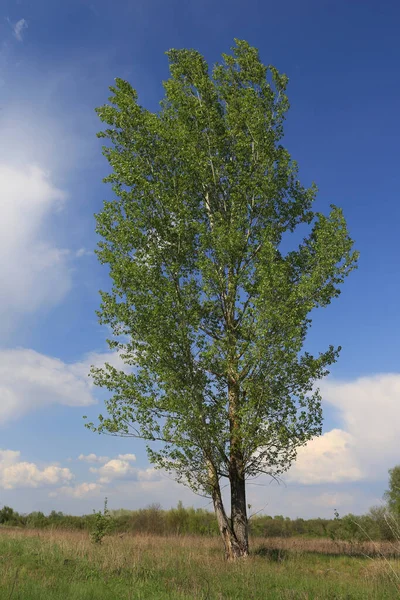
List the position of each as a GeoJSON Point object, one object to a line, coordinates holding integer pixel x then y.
{"type": "Point", "coordinates": [57, 60]}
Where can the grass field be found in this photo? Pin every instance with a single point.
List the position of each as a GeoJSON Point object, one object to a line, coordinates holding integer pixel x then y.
{"type": "Point", "coordinates": [43, 565]}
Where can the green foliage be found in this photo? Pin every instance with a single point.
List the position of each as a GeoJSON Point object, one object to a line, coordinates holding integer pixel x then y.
{"type": "Point", "coordinates": [207, 307]}
{"type": "Point", "coordinates": [36, 519]}
{"type": "Point", "coordinates": [377, 525]}
{"type": "Point", "coordinates": [102, 524]}
{"type": "Point", "coordinates": [387, 523]}
{"type": "Point", "coordinates": [392, 495]}
{"type": "Point", "coordinates": [10, 517]}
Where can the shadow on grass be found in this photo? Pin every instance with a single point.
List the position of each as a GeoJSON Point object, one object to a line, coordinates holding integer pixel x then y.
{"type": "Point", "coordinates": [281, 554]}
{"type": "Point", "coordinates": [272, 554]}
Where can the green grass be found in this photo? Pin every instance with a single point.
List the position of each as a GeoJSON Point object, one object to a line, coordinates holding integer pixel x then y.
{"type": "Point", "coordinates": [65, 565]}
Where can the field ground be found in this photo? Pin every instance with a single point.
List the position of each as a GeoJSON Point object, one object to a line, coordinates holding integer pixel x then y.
{"type": "Point", "coordinates": [55, 565]}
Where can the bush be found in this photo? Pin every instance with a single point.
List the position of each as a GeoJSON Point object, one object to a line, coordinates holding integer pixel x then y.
{"type": "Point", "coordinates": [102, 524]}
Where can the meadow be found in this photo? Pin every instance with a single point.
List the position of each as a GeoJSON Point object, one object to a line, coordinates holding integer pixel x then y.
{"type": "Point", "coordinates": [58, 564]}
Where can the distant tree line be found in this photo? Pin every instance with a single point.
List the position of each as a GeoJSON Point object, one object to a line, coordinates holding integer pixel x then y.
{"type": "Point", "coordinates": [380, 523]}
{"type": "Point", "coordinates": [153, 520]}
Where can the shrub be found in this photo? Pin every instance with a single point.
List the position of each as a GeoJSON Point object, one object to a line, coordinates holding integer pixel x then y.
{"type": "Point", "coordinates": [102, 524]}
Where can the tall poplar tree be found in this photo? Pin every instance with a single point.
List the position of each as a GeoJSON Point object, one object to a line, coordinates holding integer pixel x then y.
{"type": "Point", "coordinates": [206, 306]}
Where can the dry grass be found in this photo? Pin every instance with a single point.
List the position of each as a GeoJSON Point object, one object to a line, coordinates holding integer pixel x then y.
{"type": "Point", "coordinates": [333, 547]}
{"type": "Point", "coordinates": [193, 545]}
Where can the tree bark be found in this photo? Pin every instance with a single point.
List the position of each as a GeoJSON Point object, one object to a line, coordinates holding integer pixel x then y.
{"type": "Point", "coordinates": [237, 474]}
{"type": "Point", "coordinates": [240, 522]}
{"type": "Point", "coordinates": [232, 547]}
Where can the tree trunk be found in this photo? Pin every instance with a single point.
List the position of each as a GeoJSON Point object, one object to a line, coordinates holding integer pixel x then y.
{"type": "Point", "coordinates": [240, 523]}
{"type": "Point", "coordinates": [236, 473]}
{"type": "Point", "coordinates": [231, 544]}
{"type": "Point", "coordinates": [232, 547]}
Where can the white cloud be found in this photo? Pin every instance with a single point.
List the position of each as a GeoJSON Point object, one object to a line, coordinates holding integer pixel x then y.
{"type": "Point", "coordinates": [370, 410]}
{"type": "Point", "coordinates": [114, 469]}
{"type": "Point", "coordinates": [327, 459]}
{"type": "Point", "coordinates": [45, 146]}
{"type": "Point", "coordinates": [93, 458]}
{"type": "Point", "coordinates": [15, 473]}
{"type": "Point", "coordinates": [19, 28]}
{"type": "Point", "coordinates": [78, 491]}
{"type": "Point", "coordinates": [34, 273]}
{"type": "Point", "coordinates": [120, 469]}
{"type": "Point", "coordinates": [130, 457]}
{"type": "Point", "coordinates": [30, 381]}
{"type": "Point", "coordinates": [366, 445]}
{"type": "Point", "coordinates": [149, 475]}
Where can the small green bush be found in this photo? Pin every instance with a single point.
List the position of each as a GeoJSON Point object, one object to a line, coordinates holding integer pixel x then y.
{"type": "Point", "coordinates": [102, 524]}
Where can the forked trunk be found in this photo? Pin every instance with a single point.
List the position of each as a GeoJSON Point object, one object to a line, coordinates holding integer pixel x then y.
{"type": "Point", "coordinates": [233, 549]}
{"type": "Point", "coordinates": [231, 545]}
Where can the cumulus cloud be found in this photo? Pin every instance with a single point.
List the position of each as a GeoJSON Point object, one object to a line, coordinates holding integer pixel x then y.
{"type": "Point", "coordinates": [93, 458]}
{"type": "Point", "coordinates": [30, 381]}
{"type": "Point", "coordinates": [149, 475]}
{"type": "Point", "coordinates": [78, 491]}
{"type": "Point", "coordinates": [130, 457]}
{"type": "Point", "coordinates": [366, 445]}
{"type": "Point", "coordinates": [121, 469]}
{"type": "Point", "coordinates": [114, 469]}
{"type": "Point", "coordinates": [327, 459]}
{"type": "Point", "coordinates": [44, 145]}
{"type": "Point", "coordinates": [19, 27]}
{"type": "Point", "coordinates": [15, 473]}
{"type": "Point", "coordinates": [34, 273]}
{"type": "Point", "coordinates": [370, 410]}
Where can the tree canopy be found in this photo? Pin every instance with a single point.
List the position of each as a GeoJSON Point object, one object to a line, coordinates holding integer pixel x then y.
{"type": "Point", "coordinates": [206, 306]}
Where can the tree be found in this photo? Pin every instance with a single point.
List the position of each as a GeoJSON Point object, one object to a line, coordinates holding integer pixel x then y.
{"type": "Point", "coordinates": [392, 495]}
{"type": "Point", "coordinates": [8, 516]}
{"type": "Point", "coordinates": [206, 307]}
